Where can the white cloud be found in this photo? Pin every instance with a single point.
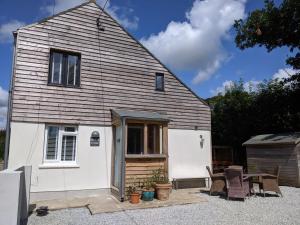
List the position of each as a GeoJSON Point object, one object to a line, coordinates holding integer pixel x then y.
{"type": "Point", "coordinates": [249, 86]}
{"type": "Point", "coordinates": [284, 73]}
{"type": "Point", "coordinates": [6, 30]}
{"type": "Point", "coordinates": [228, 84]}
{"type": "Point", "coordinates": [121, 14]}
{"type": "Point", "coordinates": [196, 44]}
{"type": "Point", "coordinates": [3, 107]}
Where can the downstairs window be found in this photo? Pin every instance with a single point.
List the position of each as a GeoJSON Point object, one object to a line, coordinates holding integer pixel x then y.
{"type": "Point", "coordinates": [61, 143]}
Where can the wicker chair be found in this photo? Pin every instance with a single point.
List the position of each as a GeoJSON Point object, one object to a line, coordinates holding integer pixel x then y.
{"type": "Point", "coordinates": [218, 183]}
{"type": "Point", "coordinates": [270, 182]}
{"type": "Point", "coordinates": [237, 186]}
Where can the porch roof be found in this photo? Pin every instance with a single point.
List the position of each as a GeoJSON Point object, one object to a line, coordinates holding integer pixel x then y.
{"type": "Point", "coordinates": [140, 115]}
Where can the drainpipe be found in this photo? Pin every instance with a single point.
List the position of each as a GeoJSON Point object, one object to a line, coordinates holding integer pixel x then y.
{"type": "Point", "coordinates": [123, 165]}
{"type": "Point", "coordinates": [9, 105]}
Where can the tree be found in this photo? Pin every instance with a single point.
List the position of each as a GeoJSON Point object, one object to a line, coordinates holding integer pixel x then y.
{"type": "Point", "coordinates": [237, 115]}
{"type": "Point", "coordinates": [273, 27]}
{"type": "Point", "coordinates": [231, 119]}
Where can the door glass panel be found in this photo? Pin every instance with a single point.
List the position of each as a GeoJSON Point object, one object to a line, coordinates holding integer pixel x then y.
{"type": "Point", "coordinates": [118, 158]}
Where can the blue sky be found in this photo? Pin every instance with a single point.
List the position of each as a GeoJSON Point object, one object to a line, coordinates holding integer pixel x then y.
{"type": "Point", "coordinates": [193, 38]}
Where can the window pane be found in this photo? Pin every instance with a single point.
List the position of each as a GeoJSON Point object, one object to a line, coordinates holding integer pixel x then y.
{"type": "Point", "coordinates": [70, 129]}
{"type": "Point", "coordinates": [52, 143]}
{"type": "Point", "coordinates": [72, 69]}
{"type": "Point", "coordinates": [160, 82]}
{"type": "Point", "coordinates": [56, 76]}
{"type": "Point", "coordinates": [135, 139]}
{"type": "Point", "coordinates": [153, 139]}
{"type": "Point", "coordinates": [68, 148]}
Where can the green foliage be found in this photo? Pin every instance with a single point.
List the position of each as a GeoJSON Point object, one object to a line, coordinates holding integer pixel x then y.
{"type": "Point", "coordinates": [272, 27]}
{"type": "Point", "coordinates": [158, 177]}
{"type": "Point", "coordinates": [149, 184]}
{"type": "Point", "coordinates": [134, 187]}
{"type": "Point", "coordinates": [237, 115]}
{"type": "Point", "coordinates": [2, 144]}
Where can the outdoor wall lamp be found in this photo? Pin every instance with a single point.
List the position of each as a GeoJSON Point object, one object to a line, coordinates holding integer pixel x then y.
{"type": "Point", "coordinates": [201, 141]}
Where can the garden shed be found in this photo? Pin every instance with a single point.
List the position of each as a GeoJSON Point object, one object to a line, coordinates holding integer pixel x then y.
{"type": "Point", "coordinates": [265, 152]}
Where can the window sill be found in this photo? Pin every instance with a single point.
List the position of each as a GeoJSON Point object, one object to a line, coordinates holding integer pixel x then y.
{"type": "Point", "coordinates": [58, 166]}
{"type": "Point", "coordinates": [63, 86]}
{"type": "Point", "coordinates": [148, 156]}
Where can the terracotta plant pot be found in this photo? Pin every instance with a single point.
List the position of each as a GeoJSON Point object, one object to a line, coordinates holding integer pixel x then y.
{"type": "Point", "coordinates": [134, 198]}
{"type": "Point", "coordinates": [163, 191]}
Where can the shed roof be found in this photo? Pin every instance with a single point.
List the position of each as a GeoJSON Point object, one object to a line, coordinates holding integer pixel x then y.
{"type": "Point", "coordinates": [140, 115]}
{"type": "Point", "coordinates": [271, 139]}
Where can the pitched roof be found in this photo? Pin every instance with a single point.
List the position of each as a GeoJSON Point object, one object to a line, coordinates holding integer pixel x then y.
{"type": "Point", "coordinates": [140, 115]}
{"type": "Point", "coordinates": [271, 139]}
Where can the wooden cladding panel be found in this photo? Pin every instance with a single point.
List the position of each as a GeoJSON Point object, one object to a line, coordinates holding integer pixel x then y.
{"type": "Point", "coordinates": [266, 159]}
{"type": "Point", "coordinates": [138, 170]}
{"type": "Point", "coordinates": [116, 72]}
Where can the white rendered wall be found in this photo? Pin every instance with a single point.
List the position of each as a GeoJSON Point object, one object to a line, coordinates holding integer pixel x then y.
{"type": "Point", "coordinates": [186, 157]}
{"type": "Point", "coordinates": [94, 163]}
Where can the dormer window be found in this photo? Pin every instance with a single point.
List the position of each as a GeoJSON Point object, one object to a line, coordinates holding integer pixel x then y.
{"type": "Point", "coordinates": [64, 69]}
{"type": "Point", "coordinates": [159, 82]}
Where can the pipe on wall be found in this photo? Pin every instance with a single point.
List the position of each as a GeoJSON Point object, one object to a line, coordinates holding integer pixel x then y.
{"type": "Point", "coordinates": [9, 105]}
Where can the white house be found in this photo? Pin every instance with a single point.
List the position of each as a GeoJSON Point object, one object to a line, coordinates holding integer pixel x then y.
{"type": "Point", "coordinates": [90, 108]}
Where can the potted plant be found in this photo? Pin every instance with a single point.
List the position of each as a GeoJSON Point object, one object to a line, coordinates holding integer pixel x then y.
{"type": "Point", "coordinates": [148, 190]}
{"type": "Point", "coordinates": [162, 185]}
{"type": "Point", "coordinates": [134, 195]}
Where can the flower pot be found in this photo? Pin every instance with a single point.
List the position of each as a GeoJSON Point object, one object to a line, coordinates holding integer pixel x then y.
{"type": "Point", "coordinates": [134, 198]}
{"type": "Point", "coordinates": [163, 191]}
{"type": "Point", "coordinates": [148, 195]}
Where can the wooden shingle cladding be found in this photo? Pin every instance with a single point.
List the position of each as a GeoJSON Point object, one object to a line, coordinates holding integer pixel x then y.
{"type": "Point", "coordinates": [266, 158]}
{"type": "Point", "coordinates": [116, 73]}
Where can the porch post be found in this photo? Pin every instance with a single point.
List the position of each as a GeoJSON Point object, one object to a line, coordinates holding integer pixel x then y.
{"type": "Point", "coordinates": [145, 138]}
{"type": "Point", "coordinates": [165, 148]}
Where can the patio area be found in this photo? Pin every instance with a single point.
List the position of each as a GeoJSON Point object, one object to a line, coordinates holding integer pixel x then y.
{"type": "Point", "coordinates": [211, 210]}
{"type": "Point", "coordinates": [109, 204]}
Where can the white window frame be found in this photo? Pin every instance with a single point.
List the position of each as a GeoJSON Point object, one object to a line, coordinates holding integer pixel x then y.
{"type": "Point", "coordinates": [61, 133]}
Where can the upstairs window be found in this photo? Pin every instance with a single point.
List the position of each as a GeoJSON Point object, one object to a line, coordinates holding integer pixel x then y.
{"type": "Point", "coordinates": [159, 82]}
{"type": "Point", "coordinates": [64, 69]}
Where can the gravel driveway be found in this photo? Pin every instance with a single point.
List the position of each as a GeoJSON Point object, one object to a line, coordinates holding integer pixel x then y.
{"type": "Point", "coordinates": [256, 210]}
